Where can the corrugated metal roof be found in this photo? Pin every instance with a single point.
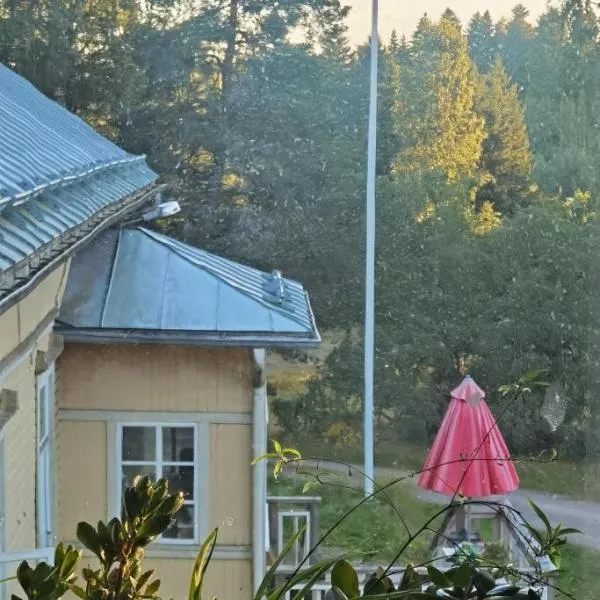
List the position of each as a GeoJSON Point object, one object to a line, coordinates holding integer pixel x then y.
{"type": "Point", "coordinates": [139, 280]}
{"type": "Point", "coordinates": [56, 172]}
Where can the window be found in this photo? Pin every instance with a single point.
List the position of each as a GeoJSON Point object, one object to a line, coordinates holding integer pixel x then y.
{"type": "Point", "coordinates": [167, 451]}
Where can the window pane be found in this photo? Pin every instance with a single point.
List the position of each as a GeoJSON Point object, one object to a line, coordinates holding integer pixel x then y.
{"type": "Point", "coordinates": [129, 473]}
{"type": "Point", "coordinates": [182, 527]}
{"type": "Point", "coordinates": [181, 479]}
{"type": "Point", "coordinates": [139, 443]}
{"type": "Point", "coordinates": [178, 444]}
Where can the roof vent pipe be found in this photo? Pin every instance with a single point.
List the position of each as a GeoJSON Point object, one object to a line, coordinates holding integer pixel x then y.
{"type": "Point", "coordinates": [275, 288]}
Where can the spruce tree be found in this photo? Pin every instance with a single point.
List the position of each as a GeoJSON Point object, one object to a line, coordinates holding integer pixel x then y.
{"type": "Point", "coordinates": [506, 156]}
{"type": "Point", "coordinates": [394, 43]}
{"type": "Point", "coordinates": [515, 46]}
{"type": "Point", "coordinates": [482, 45]}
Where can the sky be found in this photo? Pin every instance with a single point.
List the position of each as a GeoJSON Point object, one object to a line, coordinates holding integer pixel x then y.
{"type": "Point", "coordinates": [403, 15]}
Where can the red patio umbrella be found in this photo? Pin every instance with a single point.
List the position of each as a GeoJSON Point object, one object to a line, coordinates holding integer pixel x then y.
{"type": "Point", "coordinates": [469, 455]}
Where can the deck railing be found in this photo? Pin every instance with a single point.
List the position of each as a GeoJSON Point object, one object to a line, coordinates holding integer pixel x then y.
{"type": "Point", "coordinates": [9, 561]}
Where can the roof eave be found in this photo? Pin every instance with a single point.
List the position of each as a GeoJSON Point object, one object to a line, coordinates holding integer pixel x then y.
{"type": "Point", "coordinates": [188, 338]}
{"type": "Point", "coordinates": [72, 241]}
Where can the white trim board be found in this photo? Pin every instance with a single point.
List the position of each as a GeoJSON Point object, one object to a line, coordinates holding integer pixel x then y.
{"type": "Point", "coordinates": [45, 460]}
{"type": "Point", "coordinates": [221, 552]}
{"type": "Point", "coordinates": [130, 416]}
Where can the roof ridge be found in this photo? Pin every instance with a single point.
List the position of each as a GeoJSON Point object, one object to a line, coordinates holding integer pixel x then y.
{"type": "Point", "coordinates": [287, 314]}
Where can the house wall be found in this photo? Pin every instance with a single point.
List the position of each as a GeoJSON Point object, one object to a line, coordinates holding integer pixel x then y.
{"type": "Point", "coordinates": [100, 386]}
{"type": "Point", "coordinates": [24, 329]}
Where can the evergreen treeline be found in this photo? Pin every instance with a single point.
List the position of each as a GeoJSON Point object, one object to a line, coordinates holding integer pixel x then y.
{"type": "Point", "coordinates": [488, 155]}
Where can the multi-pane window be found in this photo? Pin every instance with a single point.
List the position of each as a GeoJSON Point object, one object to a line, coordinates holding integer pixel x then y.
{"type": "Point", "coordinates": [167, 451]}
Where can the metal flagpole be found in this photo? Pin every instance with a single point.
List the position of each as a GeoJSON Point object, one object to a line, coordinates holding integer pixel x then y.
{"type": "Point", "coordinates": [370, 260]}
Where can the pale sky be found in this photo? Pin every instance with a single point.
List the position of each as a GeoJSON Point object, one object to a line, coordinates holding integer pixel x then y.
{"type": "Point", "coordinates": [403, 15]}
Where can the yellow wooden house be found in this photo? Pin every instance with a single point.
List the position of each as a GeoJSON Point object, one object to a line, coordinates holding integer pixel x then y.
{"type": "Point", "coordinates": [162, 373]}
{"type": "Point", "coordinates": [61, 184]}
{"type": "Point", "coordinates": [123, 351]}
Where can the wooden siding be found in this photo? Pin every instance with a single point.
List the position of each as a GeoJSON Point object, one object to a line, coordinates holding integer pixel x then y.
{"type": "Point", "coordinates": [35, 306]}
{"type": "Point", "coordinates": [225, 579]}
{"type": "Point", "coordinates": [20, 461]}
{"type": "Point", "coordinates": [154, 377]}
{"type": "Point", "coordinates": [231, 482]}
{"type": "Point", "coordinates": [21, 320]}
{"type": "Point", "coordinates": [81, 476]}
{"type": "Point", "coordinates": [162, 379]}
{"type": "Point", "coordinates": [20, 445]}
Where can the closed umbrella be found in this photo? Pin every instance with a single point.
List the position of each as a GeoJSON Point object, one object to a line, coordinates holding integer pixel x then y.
{"type": "Point", "coordinates": [469, 455]}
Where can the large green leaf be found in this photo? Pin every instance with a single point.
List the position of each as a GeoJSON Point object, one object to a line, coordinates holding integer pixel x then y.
{"type": "Point", "coordinates": [438, 578]}
{"type": "Point", "coordinates": [345, 577]}
{"type": "Point", "coordinates": [462, 576]}
{"type": "Point", "coordinates": [541, 515]}
{"type": "Point", "coordinates": [88, 536]}
{"type": "Point", "coordinates": [202, 562]}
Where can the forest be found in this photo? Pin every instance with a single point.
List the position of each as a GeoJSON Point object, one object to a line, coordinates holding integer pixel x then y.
{"type": "Point", "coordinates": [488, 235]}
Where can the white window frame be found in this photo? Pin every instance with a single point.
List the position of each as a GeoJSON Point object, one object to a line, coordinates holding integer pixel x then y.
{"type": "Point", "coordinates": [45, 521]}
{"type": "Point", "coordinates": [160, 463]}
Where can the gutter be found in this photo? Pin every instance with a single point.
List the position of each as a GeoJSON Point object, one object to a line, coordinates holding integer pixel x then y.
{"type": "Point", "coordinates": [203, 339]}
{"type": "Point", "coordinates": [259, 470]}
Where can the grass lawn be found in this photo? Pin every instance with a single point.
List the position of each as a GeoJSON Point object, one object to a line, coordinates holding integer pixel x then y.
{"type": "Point", "coordinates": [376, 525]}
{"type": "Point", "coordinates": [578, 480]}
{"type": "Point", "coordinates": [581, 577]}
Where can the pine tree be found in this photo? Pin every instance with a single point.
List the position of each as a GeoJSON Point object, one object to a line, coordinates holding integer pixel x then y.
{"type": "Point", "coordinates": [441, 129]}
{"type": "Point", "coordinates": [506, 156]}
{"type": "Point", "coordinates": [581, 53]}
{"type": "Point", "coordinates": [515, 46]}
{"type": "Point", "coordinates": [450, 16]}
{"type": "Point", "coordinates": [334, 40]}
{"type": "Point", "coordinates": [394, 43]}
{"type": "Point", "coordinates": [482, 45]}
{"type": "Point", "coordinates": [422, 32]}
{"type": "Point", "coordinates": [582, 24]}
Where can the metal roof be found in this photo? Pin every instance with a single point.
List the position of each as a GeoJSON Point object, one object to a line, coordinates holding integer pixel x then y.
{"type": "Point", "coordinates": [56, 172]}
{"type": "Point", "coordinates": [137, 285]}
